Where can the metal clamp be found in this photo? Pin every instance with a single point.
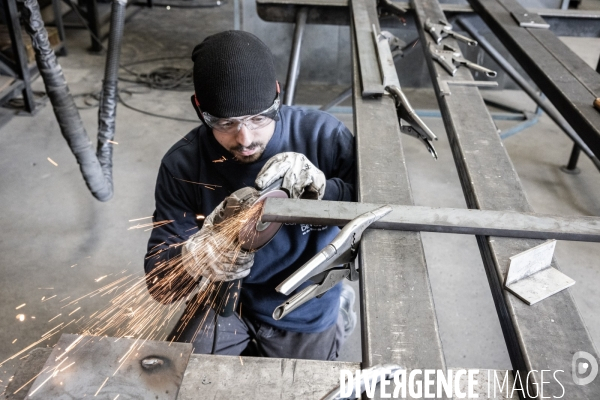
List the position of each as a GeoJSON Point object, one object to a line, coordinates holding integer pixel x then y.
{"type": "Point", "coordinates": [329, 266]}
{"type": "Point", "coordinates": [416, 127]}
{"type": "Point", "coordinates": [448, 57]}
{"type": "Point", "coordinates": [439, 31]}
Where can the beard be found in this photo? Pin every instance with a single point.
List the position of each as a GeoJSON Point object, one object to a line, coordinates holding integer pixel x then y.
{"type": "Point", "coordinates": [260, 148]}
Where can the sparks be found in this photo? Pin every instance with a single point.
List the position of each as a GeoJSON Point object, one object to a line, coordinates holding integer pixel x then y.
{"type": "Point", "coordinates": [52, 162]}
{"type": "Point", "coordinates": [73, 312]}
{"type": "Point", "coordinates": [99, 279]}
{"type": "Point", "coordinates": [206, 185]}
{"type": "Point", "coordinates": [14, 341]}
{"type": "Point", "coordinates": [139, 219]}
{"type": "Point", "coordinates": [112, 142]}
{"type": "Point", "coordinates": [220, 159]}
{"type": "Point", "coordinates": [101, 386]}
{"type": "Point", "coordinates": [21, 306]}
{"type": "Point", "coordinates": [53, 318]}
{"type": "Point", "coordinates": [21, 317]}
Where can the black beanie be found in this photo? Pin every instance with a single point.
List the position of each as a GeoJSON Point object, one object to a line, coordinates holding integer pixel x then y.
{"type": "Point", "coordinates": [234, 74]}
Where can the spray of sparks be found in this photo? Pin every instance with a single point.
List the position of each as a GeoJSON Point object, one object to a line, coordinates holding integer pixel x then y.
{"type": "Point", "coordinates": [131, 313]}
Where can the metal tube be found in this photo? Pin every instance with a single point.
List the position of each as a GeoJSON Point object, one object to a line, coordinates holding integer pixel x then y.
{"type": "Point", "coordinates": [442, 220]}
{"type": "Point", "coordinates": [519, 80]}
{"type": "Point", "coordinates": [294, 66]}
{"type": "Point", "coordinates": [339, 98]}
{"type": "Point", "coordinates": [571, 167]}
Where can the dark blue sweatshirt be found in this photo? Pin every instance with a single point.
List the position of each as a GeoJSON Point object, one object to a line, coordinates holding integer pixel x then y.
{"type": "Point", "coordinates": [328, 145]}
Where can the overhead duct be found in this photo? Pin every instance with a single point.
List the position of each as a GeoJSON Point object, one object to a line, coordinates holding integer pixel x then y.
{"type": "Point", "coordinates": [96, 167]}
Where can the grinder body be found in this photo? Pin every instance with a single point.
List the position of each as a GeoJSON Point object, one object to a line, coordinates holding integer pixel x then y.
{"type": "Point", "coordinates": [253, 235]}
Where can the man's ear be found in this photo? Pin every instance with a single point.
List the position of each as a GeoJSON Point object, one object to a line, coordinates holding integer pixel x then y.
{"type": "Point", "coordinates": [196, 106]}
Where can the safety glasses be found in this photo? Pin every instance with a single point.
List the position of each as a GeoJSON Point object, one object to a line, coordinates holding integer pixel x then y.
{"type": "Point", "coordinates": [234, 124]}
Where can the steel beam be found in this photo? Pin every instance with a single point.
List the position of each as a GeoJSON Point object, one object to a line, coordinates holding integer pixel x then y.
{"type": "Point", "coordinates": [541, 337]}
{"type": "Point", "coordinates": [442, 220]}
{"type": "Point", "coordinates": [399, 325]}
{"type": "Point", "coordinates": [523, 84]}
{"type": "Point", "coordinates": [568, 82]}
{"type": "Point", "coordinates": [335, 12]}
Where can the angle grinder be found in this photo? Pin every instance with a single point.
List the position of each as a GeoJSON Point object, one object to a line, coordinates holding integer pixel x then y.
{"type": "Point", "coordinates": [254, 234]}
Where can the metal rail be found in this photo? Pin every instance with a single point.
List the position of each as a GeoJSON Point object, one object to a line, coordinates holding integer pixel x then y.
{"type": "Point", "coordinates": [334, 12]}
{"type": "Point", "coordinates": [520, 80]}
{"type": "Point", "coordinates": [568, 82]}
{"type": "Point", "coordinates": [402, 329]}
{"type": "Point", "coordinates": [443, 220]}
{"type": "Point", "coordinates": [490, 182]}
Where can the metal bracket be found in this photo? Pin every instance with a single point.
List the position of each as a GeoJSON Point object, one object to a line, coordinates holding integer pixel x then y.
{"type": "Point", "coordinates": [444, 85]}
{"type": "Point", "coordinates": [530, 276]}
{"type": "Point", "coordinates": [529, 20]}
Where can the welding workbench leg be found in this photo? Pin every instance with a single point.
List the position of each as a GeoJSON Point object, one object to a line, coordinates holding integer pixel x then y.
{"type": "Point", "coordinates": [60, 27]}
{"type": "Point", "coordinates": [542, 102]}
{"type": "Point", "coordinates": [294, 66]}
{"type": "Point", "coordinates": [22, 68]}
{"type": "Point", "coordinates": [94, 24]}
{"type": "Point", "coordinates": [571, 167]}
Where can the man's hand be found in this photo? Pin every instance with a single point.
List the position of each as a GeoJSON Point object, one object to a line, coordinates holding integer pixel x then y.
{"type": "Point", "coordinates": [211, 254]}
{"type": "Point", "coordinates": [300, 177]}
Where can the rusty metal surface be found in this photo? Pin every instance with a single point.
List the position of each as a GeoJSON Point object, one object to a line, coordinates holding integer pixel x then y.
{"type": "Point", "coordinates": [104, 368]}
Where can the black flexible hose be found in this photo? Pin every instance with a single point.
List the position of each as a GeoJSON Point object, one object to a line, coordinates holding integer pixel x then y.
{"type": "Point", "coordinates": [96, 168]}
{"type": "Point", "coordinates": [107, 109]}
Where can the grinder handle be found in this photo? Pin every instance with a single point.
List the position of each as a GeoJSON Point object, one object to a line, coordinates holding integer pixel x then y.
{"type": "Point", "coordinates": [228, 292]}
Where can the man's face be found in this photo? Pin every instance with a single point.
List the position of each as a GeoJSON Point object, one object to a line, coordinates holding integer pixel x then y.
{"type": "Point", "coordinates": [247, 145]}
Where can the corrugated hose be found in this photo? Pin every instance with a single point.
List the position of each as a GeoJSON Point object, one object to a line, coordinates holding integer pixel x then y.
{"type": "Point", "coordinates": [96, 168]}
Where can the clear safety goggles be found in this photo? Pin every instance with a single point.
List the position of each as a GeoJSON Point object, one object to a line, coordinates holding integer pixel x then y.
{"type": "Point", "coordinates": [234, 124]}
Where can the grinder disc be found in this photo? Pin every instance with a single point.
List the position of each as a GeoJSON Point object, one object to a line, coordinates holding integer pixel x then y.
{"type": "Point", "coordinates": [256, 234]}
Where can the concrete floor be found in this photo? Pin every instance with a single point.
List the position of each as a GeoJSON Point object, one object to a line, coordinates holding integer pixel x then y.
{"type": "Point", "coordinates": [57, 240]}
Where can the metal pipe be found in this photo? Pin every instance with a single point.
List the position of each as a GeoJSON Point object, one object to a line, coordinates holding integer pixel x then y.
{"type": "Point", "coordinates": [571, 167]}
{"type": "Point", "coordinates": [96, 168]}
{"type": "Point", "coordinates": [519, 80]}
{"type": "Point", "coordinates": [294, 66]}
{"type": "Point", "coordinates": [341, 97]}
{"type": "Point", "coordinates": [441, 220]}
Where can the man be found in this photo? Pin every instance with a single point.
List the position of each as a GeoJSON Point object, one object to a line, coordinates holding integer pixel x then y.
{"type": "Point", "coordinates": [248, 139]}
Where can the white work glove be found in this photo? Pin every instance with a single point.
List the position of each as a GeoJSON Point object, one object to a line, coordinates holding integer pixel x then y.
{"type": "Point", "coordinates": [213, 255]}
{"type": "Point", "coordinates": [300, 177]}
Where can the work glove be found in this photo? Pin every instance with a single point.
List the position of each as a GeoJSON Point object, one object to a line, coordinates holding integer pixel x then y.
{"type": "Point", "coordinates": [213, 255]}
{"type": "Point", "coordinates": [300, 177]}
